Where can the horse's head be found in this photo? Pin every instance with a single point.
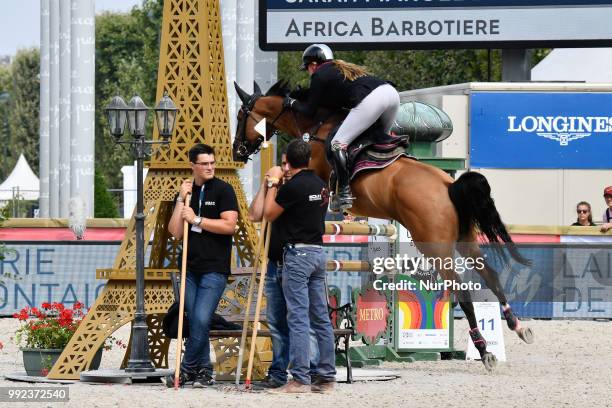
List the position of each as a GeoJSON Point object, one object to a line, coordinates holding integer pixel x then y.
{"type": "Point", "coordinates": [254, 108]}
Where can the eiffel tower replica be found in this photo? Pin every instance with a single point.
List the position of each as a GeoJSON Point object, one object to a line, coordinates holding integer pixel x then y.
{"type": "Point", "coordinates": [191, 70]}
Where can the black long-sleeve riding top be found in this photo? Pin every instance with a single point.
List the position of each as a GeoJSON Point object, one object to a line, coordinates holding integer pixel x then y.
{"type": "Point", "coordinates": [330, 89]}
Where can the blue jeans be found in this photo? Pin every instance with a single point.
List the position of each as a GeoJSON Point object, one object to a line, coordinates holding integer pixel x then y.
{"type": "Point", "coordinates": [202, 295]}
{"type": "Point", "coordinates": [306, 297]}
{"type": "Point", "coordinates": [276, 314]}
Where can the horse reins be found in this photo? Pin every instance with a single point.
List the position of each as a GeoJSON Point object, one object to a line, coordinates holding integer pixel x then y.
{"type": "Point", "coordinates": [312, 135]}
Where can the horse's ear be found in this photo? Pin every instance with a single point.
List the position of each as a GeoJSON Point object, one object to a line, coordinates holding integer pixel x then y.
{"type": "Point", "coordinates": [256, 88]}
{"type": "Point", "coordinates": [244, 97]}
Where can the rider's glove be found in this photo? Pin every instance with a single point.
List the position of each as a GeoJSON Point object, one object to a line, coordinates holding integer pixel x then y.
{"type": "Point", "coordinates": [288, 102]}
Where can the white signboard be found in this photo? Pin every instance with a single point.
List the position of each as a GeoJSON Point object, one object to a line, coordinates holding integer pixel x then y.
{"type": "Point", "coordinates": [393, 24]}
{"type": "Point", "coordinates": [488, 315]}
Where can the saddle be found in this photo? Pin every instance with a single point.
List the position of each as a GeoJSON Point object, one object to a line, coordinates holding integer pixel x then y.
{"type": "Point", "coordinates": [374, 149]}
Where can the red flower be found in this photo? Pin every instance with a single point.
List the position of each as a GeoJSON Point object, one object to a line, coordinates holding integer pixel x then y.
{"type": "Point", "coordinates": [57, 306]}
{"type": "Point", "coordinates": [22, 315]}
{"type": "Point", "coordinates": [44, 372]}
{"type": "Point", "coordinates": [65, 318]}
{"type": "Point", "coordinates": [50, 326]}
{"type": "Point", "coordinates": [34, 311]}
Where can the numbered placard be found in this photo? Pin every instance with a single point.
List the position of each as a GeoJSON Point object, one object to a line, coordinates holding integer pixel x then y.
{"type": "Point", "coordinates": [488, 315]}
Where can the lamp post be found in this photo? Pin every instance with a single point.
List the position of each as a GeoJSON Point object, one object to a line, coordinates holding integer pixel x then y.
{"type": "Point", "coordinates": [135, 114]}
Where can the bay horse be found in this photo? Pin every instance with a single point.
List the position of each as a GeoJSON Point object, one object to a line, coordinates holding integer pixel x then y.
{"type": "Point", "coordinates": [434, 207]}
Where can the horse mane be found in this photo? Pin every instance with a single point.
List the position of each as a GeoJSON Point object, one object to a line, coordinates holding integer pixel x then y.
{"type": "Point", "coordinates": [282, 88]}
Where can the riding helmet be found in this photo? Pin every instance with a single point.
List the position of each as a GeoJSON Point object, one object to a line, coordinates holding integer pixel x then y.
{"type": "Point", "coordinates": [316, 53]}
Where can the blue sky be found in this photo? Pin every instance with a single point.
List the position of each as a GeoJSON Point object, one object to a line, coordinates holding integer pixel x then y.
{"type": "Point", "coordinates": [20, 21]}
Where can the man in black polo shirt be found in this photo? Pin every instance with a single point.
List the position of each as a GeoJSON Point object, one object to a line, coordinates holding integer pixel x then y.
{"type": "Point", "coordinates": [276, 308]}
{"type": "Point", "coordinates": [212, 213]}
{"type": "Point", "coordinates": [299, 210]}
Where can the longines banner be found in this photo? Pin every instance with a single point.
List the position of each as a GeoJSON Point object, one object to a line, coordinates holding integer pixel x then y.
{"type": "Point", "coordinates": [540, 130]}
{"type": "Point", "coordinates": [411, 24]}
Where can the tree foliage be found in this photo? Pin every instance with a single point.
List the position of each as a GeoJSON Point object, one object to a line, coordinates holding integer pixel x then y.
{"type": "Point", "coordinates": [104, 205]}
{"type": "Point", "coordinates": [5, 109]}
{"type": "Point", "coordinates": [20, 96]}
{"type": "Point", "coordinates": [127, 55]}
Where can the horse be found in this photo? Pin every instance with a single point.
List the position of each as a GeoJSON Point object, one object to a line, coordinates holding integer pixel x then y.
{"type": "Point", "coordinates": [428, 202]}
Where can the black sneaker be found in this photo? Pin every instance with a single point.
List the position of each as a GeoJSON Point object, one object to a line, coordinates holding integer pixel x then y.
{"type": "Point", "coordinates": [185, 379]}
{"type": "Point", "coordinates": [270, 383]}
{"type": "Point", "coordinates": [203, 378]}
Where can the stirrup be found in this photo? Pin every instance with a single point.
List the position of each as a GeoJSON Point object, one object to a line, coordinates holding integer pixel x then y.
{"type": "Point", "coordinates": [342, 202]}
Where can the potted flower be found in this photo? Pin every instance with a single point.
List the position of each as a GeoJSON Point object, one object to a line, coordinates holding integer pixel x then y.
{"type": "Point", "coordinates": [45, 332]}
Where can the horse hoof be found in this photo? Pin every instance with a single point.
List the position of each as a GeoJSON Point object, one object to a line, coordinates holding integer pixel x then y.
{"type": "Point", "coordinates": [490, 361]}
{"type": "Point", "coordinates": [526, 334]}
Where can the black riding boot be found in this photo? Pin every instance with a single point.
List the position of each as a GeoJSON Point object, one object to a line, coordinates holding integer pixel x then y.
{"type": "Point", "coordinates": [343, 199]}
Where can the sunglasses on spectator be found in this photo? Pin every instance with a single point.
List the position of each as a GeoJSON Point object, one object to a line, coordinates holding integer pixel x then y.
{"type": "Point", "coordinates": [582, 211]}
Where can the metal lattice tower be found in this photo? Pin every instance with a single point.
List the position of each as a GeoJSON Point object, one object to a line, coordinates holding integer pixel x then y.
{"type": "Point", "coordinates": [191, 70]}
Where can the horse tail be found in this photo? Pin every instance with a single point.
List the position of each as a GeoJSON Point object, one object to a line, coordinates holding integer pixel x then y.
{"type": "Point", "coordinates": [471, 196]}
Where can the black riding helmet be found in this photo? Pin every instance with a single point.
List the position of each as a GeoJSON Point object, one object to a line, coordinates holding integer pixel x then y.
{"type": "Point", "coordinates": [316, 53]}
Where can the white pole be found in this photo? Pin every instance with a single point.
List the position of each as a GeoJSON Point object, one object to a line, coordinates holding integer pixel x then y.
{"type": "Point", "coordinates": [64, 107]}
{"type": "Point", "coordinates": [54, 135]}
{"type": "Point", "coordinates": [43, 161]}
{"type": "Point", "coordinates": [228, 28]}
{"type": "Point", "coordinates": [83, 103]}
{"type": "Point", "coordinates": [245, 75]}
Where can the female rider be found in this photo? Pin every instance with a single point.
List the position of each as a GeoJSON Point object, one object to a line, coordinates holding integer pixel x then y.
{"type": "Point", "coordinates": [336, 84]}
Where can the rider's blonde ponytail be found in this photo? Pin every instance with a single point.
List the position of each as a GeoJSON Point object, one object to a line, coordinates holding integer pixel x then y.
{"type": "Point", "coordinates": [349, 70]}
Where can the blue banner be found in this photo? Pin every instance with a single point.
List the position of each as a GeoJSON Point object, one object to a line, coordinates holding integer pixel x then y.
{"type": "Point", "coordinates": [36, 272]}
{"type": "Point", "coordinates": [520, 130]}
{"type": "Point", "coordinates": [386, 4]}
{"type": "Point", "coordinates": [529, 289]}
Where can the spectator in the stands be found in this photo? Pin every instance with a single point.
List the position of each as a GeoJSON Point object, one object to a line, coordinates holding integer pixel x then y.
{"type": "Point", "coordinates": [585, 217]}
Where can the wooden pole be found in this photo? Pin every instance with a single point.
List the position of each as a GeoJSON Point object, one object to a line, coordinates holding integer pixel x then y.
{"type": "Point", "coordinates": [245, 323]}
{"type": "Point", "coordinates": [262, 278]}
{"type": "Point", "coordinates": [179, 335]}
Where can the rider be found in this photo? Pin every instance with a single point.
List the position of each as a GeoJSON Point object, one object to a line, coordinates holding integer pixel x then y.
{"type": "Point", "coordinates": [336, 84]}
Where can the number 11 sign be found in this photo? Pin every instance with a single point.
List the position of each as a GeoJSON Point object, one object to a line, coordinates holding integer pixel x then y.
{"type": "Point", "coordinates": [488, 316]}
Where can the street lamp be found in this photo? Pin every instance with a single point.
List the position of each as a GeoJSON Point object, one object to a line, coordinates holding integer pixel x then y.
{"type": "Point", "coordinates": [116, 115]}
{"type": "Point", "coordinates": [165, 114]}
{"type": "Point", "coordinates": [135, 114]}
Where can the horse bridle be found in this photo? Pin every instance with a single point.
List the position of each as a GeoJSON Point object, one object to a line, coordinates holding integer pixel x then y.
{"type": "Point", "coordinates": [247, 148]}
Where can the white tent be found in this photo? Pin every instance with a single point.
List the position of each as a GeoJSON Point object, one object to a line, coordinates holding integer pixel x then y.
{"type": "Point", "coordinates": [575, 64]}
{"type": "Point", "coordinates": [22, 182]}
